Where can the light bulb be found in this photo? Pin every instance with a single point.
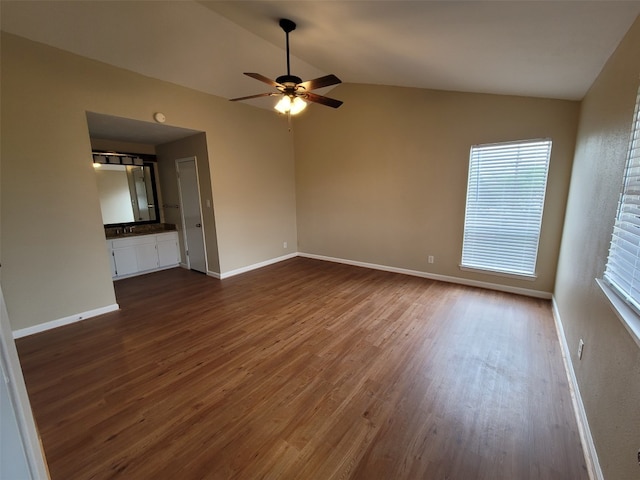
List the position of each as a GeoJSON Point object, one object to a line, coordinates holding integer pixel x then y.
{"type": "Point", "coordinates": [297, 105]}
{"type": "Point", "coordinates": [291, 104]}
{"type": "Point", "coordinates": [284, 105]}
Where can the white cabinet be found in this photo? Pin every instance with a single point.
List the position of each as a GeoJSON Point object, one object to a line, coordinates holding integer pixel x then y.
{"type": "Point", "coordinates": [168, 251]}
{"type": "Point", "coordinates": [143, 253]}
{"type": "Point", "coordinates": [125, 261]}
{"type": "Point", "coordinates": [147, 256]}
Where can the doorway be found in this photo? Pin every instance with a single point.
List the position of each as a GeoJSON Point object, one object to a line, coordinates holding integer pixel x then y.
{"type": "Point", "coordinates": [191, 214]}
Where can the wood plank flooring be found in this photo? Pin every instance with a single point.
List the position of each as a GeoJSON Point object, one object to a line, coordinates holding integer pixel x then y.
{"type": "Point", "coordinates": [305, 370]}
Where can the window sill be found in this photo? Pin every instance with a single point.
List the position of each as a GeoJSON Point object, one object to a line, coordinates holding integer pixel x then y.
{"type": "Point", "coordinates": [519, 276]}
{"type": "Point", "coordinates": [624, 312]}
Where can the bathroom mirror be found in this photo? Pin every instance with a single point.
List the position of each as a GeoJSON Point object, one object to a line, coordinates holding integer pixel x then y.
{"type": "Point", "coordinates": [127, 194]}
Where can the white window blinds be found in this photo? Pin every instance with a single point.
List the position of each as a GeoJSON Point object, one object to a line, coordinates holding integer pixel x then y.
{"type": "Point", "coordinates": [622, 272]}
{"type": "Point", "coordinates": [505, 198]}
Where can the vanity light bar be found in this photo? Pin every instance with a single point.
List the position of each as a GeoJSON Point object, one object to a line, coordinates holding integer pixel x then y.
{"type": "Point", "coordinates": [116, 159]}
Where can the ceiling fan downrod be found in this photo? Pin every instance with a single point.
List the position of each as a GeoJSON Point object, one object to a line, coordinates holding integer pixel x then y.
{"type": "Point", "coordinates": [288, 26]}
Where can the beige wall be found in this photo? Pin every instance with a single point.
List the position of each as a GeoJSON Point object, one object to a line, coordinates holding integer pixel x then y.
{"type": "Point", "coordinates": [167, 154]}
{"type": "Point", "coordinates": [609, 372]}
{"type": "Point", "coordinates": [53, 257]}
{"type": "Point", "coordinates": [383, 179]}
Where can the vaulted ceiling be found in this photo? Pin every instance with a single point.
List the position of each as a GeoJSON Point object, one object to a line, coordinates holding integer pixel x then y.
{"type": "Point", "coordinates": [551, 49]}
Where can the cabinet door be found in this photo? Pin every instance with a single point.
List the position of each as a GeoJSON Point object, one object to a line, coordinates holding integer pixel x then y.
{"type": "Point", "coordinates": [125, 260]}
{"type": "Point", "coordinates": [147, 256]}
{"type": "Point", "coordinates": [168, 253]}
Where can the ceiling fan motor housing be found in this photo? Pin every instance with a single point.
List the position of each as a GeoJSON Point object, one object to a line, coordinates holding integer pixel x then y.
{"type": "Point", "coordinates": [288, 79]}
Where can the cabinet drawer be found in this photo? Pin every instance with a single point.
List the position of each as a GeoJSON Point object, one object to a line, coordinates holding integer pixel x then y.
{"type": "Point", "coordinates": [165, 237]}
{"type": "Point", "coordinates": [133, 241]}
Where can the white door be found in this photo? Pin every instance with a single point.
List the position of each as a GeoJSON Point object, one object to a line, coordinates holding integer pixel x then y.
{"type": "Point", "coordinates": [191, 214]}
{"type": "Point", "coordinates": [20, 451]}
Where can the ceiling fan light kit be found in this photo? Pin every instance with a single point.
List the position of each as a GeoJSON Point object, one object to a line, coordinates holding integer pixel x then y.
{"type": "Point", "coordinates": [291, 105]}
{"type": "Point", "coordinates": [295, 93]}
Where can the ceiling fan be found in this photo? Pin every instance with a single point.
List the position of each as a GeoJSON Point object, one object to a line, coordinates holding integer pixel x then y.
{"type": "Point", "coordinates": [293, 90]}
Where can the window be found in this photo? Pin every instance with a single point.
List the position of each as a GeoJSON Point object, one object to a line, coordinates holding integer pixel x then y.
{"type": "Point", "coordinates": [505, 199]}
{"type": "Point", "coordinates": [622, 272]}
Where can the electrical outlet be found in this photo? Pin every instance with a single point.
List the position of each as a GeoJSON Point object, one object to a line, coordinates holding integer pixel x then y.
{"type": "Point", "coordinates": [580, 348]}
{"type": "Point", "coordinates": [284, 244]}
{"type": "Point", "coordinates": [430, 259]}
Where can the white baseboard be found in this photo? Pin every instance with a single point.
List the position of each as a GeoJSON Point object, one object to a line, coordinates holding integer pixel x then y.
{"type": "Point", "coordinates": [255, 266]}
{"type": "Point", "coordinates": [23, 332]}
{"type": "Point", "coordinates": [588, 447]}
{"type": "Point", "coordinates": [432, 276]}
{"type": "Point", "coordinates": [213, 274]}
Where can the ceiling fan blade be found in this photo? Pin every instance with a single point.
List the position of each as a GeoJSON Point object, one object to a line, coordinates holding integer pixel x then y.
{"type": "Point", "coordinates": [270, 94]}
{"type": "Point", "coordinates": [325, 81]}
{"type": "Point", "coordinates": [329, 102]}
{"type": "Point", "coordinates": [262, 78]}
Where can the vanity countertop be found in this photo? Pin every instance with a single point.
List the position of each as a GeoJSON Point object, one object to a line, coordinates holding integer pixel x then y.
{"type": "Point", "coordinates": [112, 233]}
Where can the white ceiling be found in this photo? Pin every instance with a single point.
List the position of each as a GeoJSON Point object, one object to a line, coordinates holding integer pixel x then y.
{"type": "Point", "coordinates": [109, 127]}
{"type": "Point", "coordinates": [542, 48]}
{"type": "Point", "coordinates": [551, 49]}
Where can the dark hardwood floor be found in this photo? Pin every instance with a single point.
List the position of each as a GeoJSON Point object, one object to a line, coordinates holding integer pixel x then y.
{"type": "Point", "coordinates": [305, 370]}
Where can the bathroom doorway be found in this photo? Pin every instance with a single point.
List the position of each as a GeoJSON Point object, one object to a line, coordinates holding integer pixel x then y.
{"type": "Point", "coordinates": [191, 214]}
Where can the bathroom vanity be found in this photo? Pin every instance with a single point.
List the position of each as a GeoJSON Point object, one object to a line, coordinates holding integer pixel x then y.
{"type": "Point", "coordinates": [135, 254]}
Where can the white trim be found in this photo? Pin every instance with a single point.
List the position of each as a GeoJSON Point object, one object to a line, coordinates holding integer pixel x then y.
{"type": "Point", "coordinates": [213, 274]}
{"type": "Point", "coordinates": [255, 266]}
{"type": "Point", "coordinates": [490, 213]}
{"type": "Point", "coordinates": [11, 376]}
{"type": "Point", "coordinates": [23, 332]}
{"type": "Point", "coordinates": [486, 271]}
{"type": "Point", "coordinates": [623, 311]}
{"type": "Point", "coordinates": [588, 447]}
{"type": "Point", "coordinates": [432, 276]}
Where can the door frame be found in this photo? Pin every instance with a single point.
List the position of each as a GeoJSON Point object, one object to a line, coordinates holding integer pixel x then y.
{"type": "Point", "coordinates": [11, 376]}
{"type": "Point", "coordinates": [184, 227]}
